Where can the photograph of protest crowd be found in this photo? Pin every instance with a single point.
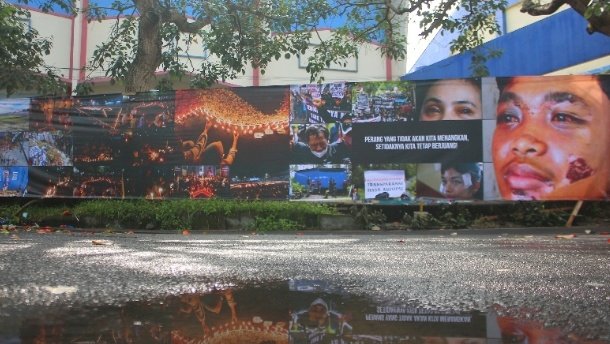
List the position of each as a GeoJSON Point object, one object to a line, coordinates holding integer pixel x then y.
{"type": "Point", "coordinates": [388, 101]}
{"type": "Point", "coordinates": [320, 103]}
{"type": "Point", "coordinates": [45, 148]}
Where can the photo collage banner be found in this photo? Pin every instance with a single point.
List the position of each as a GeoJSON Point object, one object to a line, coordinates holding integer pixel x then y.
{"type": "Point", "coordinates": [477, 139]}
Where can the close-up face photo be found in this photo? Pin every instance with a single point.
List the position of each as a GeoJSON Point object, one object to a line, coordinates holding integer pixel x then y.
{"type": "Point", "coordinates": [317, 142]}
{"type": "Point", "coordinates": [455, 185]}
{"type": "Point", "coordinates": [552, 138]}
{"type": "Point", "coordinates": [451, 100]}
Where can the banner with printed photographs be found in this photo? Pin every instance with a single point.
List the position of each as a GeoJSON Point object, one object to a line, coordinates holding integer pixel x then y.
{"type": "Point", "coordinates": [519, 138]}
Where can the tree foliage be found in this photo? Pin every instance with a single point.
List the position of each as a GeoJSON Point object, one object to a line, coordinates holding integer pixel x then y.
{"type": "Point", "coordinates": [22, 54]}
{"type": "Point", "coordinates": [149, 35]}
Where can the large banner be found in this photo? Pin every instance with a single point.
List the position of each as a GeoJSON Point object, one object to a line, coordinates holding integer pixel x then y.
{"type": "Point", "coordinates": [519, 138]}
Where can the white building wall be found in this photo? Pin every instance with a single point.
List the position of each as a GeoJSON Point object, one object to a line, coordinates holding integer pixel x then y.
{"type": "Point", "coordinates": [58, 29]}
{"type": "Point", "coordinates": [66, 32]}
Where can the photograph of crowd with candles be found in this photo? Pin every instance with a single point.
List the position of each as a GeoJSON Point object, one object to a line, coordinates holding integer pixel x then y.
{"type": "Point", "coordinates": [50, 181]}
{"type": "Point", "coordinates": [50, 114]}
{"type": "Point", "coordinates": [244, 132]}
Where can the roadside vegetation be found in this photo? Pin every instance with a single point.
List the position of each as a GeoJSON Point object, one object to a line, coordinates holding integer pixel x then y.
{"type": "Point", "coordinates": [265, 216]}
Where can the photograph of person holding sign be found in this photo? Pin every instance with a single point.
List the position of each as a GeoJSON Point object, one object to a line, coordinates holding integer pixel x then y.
{"type": "Point", "coordinates": [552, 138]}
{"type": "Point", "coordinates": [451, 99]}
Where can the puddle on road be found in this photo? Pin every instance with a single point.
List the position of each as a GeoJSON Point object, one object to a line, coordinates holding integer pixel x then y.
{"type": "Point", "coordinates": [296, 311]}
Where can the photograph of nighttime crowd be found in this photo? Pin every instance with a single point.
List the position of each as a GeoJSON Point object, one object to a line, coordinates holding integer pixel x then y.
{"type": "Point", "coordinates": [246, 129]}
{"type": "Point", "coordinates": [50, 181]}
{"type": "Point", "coordinates": [105, 182]}
{"type": "Point", "coordinates": [149, 133]}
{"type": "Point", "coordinates": [206, 181]}
{"type": "Point", "coordinates": [87, 181]}
{"type": "Point", "coordinates": [98, 150]}
{"type": "Point", "coordinates": [265, 186]}
{"type": "Point", "coordinates": [51, 114]}
{"type": "Point", "coordinates": [99, 115]}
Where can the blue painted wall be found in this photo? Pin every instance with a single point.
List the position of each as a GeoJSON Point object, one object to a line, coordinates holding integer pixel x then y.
{"type": "Point", "coordinates": [553, 43]}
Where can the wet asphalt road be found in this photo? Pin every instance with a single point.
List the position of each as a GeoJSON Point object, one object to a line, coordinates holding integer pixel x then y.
{"type": "Point", "coordinates": [563, 282]}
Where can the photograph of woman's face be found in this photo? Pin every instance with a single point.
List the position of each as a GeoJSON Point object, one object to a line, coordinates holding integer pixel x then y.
{"type": "Point", "coordinates": [552, 139]}
{"type": "Point", "coordinates": [456, 185]}
{"type": "Point", "coordinates": [451, 100]}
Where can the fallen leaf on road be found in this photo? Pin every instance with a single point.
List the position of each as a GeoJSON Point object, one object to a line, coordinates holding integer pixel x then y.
{"type": "Point", "coordinates": [565, 236]}
{"type": "Point", "coordinates": [44, 230]}
{"type": "Point", "coordinates": [100, 242]}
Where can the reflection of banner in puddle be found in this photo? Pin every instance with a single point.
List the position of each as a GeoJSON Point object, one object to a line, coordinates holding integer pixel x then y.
{"type": "Point", "coordinates": [304, 311]}
{"type": "Point", "coordinates": [324, 313]}
{"type": "Point", "coordinates": [332, 320]}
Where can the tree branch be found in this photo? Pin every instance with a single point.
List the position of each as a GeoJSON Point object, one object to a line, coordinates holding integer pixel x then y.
{"type": "Point", "coordinates": [534, 9]}
{"type": "Point", "coordinates": [413, 6]}
{"type": "Point", "coordinates": [181, 21]}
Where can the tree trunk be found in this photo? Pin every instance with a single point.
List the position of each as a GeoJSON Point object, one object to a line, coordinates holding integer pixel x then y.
{"type": "Point", "coordinates": [141, 75]}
